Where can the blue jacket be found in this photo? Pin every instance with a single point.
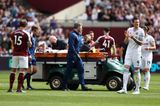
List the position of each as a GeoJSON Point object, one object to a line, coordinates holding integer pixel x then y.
{"type": "Point", "coordinates": [74, 43]}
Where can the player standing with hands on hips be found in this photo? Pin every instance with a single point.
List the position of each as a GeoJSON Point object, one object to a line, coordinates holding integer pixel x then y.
{"type": "Point", "coordinates": [134, 36]}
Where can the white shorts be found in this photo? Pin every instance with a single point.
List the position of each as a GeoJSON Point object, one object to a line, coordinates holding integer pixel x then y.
{"type": "Point", "coordinates": [146, 63]}
{"type": "Point", "coordinates": [133, 59]}
{"type": "Point", "coordinates": [19, 61]}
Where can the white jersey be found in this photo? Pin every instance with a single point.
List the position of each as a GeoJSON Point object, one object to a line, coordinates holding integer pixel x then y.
{"type": "Point", "coordinates": [133, 47]}
{"type": "Point", "coordinates": [148, 41]}
{"type": "Point", "coordinates": [133, 53]}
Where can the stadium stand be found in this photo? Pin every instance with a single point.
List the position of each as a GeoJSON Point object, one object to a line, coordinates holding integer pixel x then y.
{"type": "Point", "coordinates": [96, 11]}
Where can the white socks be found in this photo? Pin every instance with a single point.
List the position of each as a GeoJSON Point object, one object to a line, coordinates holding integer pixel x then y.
{"type": "Point", "coordinates": [137, 78]}
{"type": "Point", "coordinates": [126, 76]}
{"type": "Point", "coordinates": [147, 77]}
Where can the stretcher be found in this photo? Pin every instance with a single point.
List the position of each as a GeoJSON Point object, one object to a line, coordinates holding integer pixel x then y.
{"type": "Point", "coordinates": [59, 56]}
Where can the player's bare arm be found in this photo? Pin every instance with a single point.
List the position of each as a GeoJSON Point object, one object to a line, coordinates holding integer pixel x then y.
{"type": "Point", "coordinates": [29, 44]}
{"type": "Point", "coordinates": [114, 49]}
{"type": "Point", "coordinates": [152, 47]}
{"type": "Point", "coordinates": [126, 37]}
{"type": "Point", "coordinates": [94, 44]}
{"type": "Point", "coordinates": [12, 47]}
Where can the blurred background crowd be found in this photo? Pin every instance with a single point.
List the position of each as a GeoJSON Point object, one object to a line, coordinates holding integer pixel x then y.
{"type": "Point", "coordinates": [96, 10]}
{"type": "Point", "coordinates": [124, 10]}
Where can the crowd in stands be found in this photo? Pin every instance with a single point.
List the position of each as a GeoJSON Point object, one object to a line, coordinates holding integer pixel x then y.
{"type": "Point", "coordinates": [11, 13]}
{"type": "Point", "coordinates": [125, 10]}
{"type": "Point", "coordinates": [96, 10]}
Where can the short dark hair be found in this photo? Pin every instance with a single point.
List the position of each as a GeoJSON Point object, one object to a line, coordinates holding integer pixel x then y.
{"type": "Point", "coordinates": [23, 23]}
{"type": "Point", "coordinates": [135, 18]}
{"type": "Point", "coordinates": [34, 27]}
{"type": "Point", "coordinates": [106, 30]}
{"type": "Point", "coordinates": [146, 28]}
{"type": "Point", "coordinates": [91, 32]}
{"type": "Point", "coordinates": [77, 24]}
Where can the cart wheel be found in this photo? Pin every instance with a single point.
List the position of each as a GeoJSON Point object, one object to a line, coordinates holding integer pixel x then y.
{"type": "Point", "coordinates": [56, 83]}
{"type": "Point", "coordinates": [131, 84]}
{"type": "Point", "coordinates": [73, 86]}
{"type": "Point", "coordinates": [114, 83]}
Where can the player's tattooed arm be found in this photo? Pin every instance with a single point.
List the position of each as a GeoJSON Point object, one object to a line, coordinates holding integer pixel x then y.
{"type": "Point", "coordinates": [139, 42]}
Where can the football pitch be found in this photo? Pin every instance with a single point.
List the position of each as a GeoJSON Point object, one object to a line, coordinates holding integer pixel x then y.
{"type": "Point", "coordinates": [99, 96]}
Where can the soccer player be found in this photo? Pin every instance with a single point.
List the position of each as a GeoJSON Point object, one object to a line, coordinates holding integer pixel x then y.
{"type": "Point", "coordinates": [147, 56]}
{"type": "Point", "coordinates": [73, 57]}
{"type": "Point", "coordinates": [32, 60]}
{"type": "Point", "coordinates": [106, 43]}
{"type": "Point", "coordinates": [21, 41]}
{"type": "Point", "coordinates": [134, 36]}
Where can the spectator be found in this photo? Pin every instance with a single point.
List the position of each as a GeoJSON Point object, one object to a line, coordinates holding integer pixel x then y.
{"type": "Point", "coordinates": [66, 35]}
{"type": "Point", "coordinates": [14, 10]}
{"type": "Point", "coordinates": [147, 10]}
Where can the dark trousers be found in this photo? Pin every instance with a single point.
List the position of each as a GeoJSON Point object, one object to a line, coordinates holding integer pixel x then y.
{"type": "Point", "coordinates": [78, 64]}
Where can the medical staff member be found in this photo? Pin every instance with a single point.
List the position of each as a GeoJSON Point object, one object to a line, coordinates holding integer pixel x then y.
{"type": "Point", "coordinates": [73, 57]}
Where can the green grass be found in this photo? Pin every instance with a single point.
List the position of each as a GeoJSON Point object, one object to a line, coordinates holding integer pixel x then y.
{"type": "Point", "coordinates": [44, 96]}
